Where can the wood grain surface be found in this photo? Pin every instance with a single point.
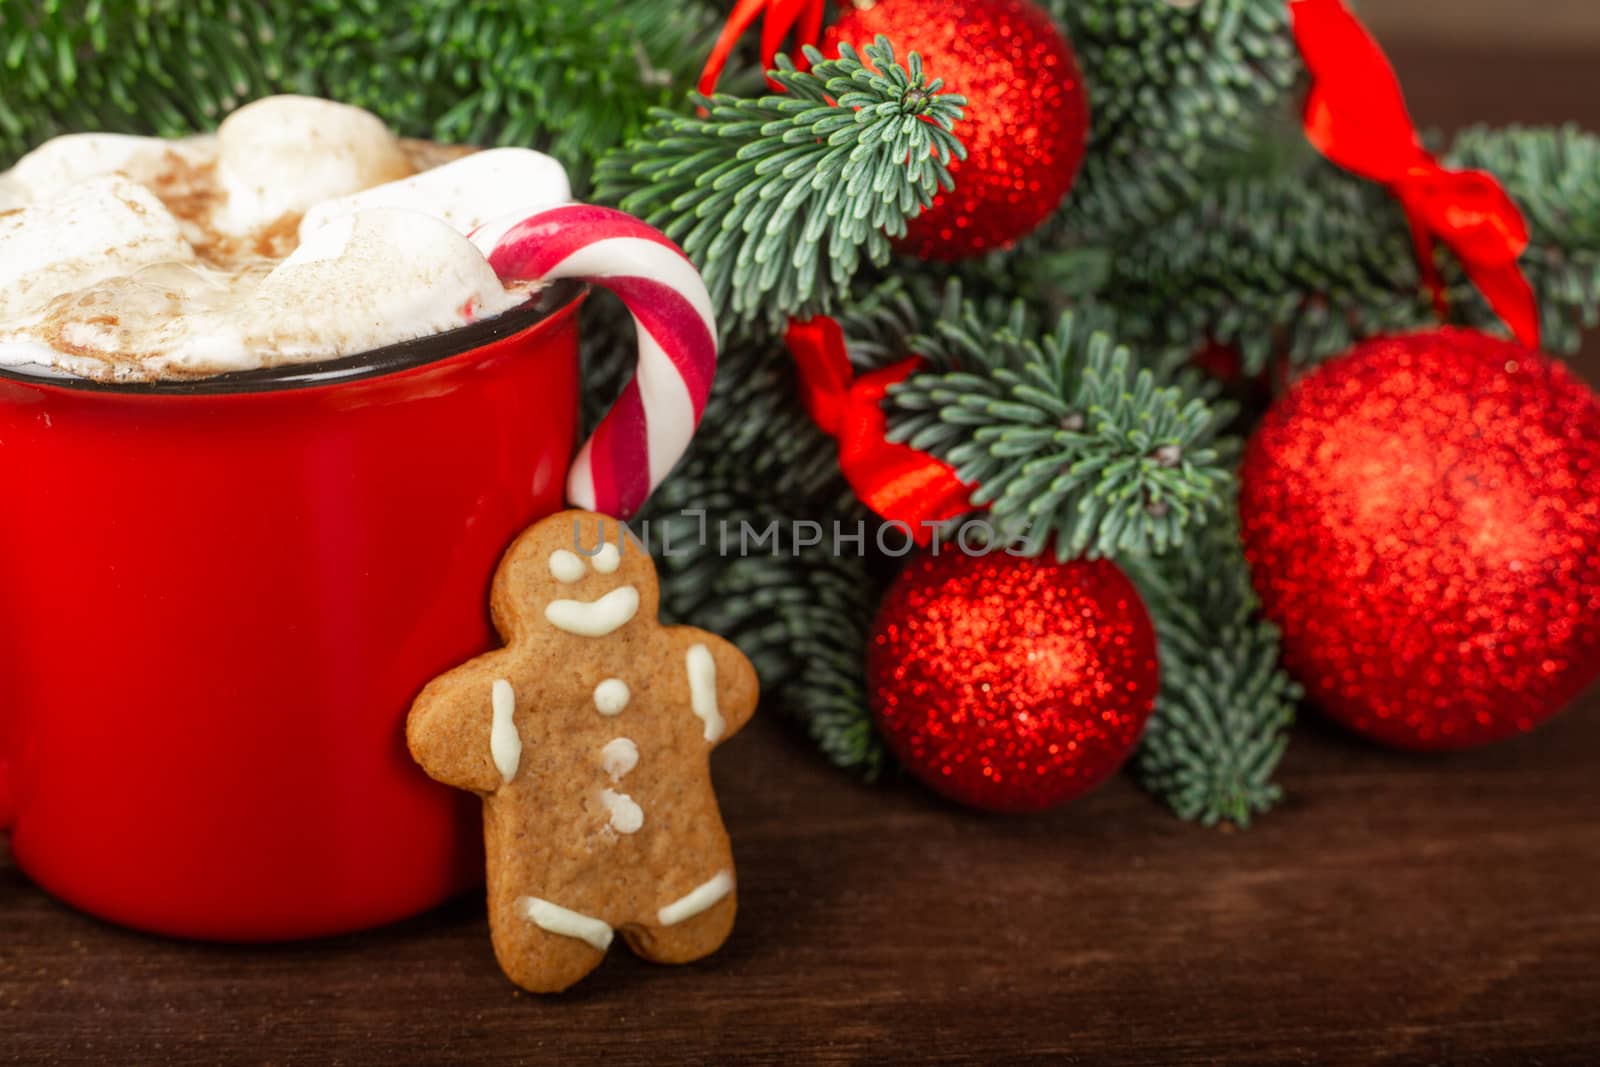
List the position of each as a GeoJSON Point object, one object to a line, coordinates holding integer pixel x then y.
{"type": "Point", "coordinates": [1398, 909]}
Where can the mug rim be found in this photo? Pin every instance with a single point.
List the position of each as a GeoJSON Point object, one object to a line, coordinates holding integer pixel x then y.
{"type": "Point", "coordinates": [417, 352]}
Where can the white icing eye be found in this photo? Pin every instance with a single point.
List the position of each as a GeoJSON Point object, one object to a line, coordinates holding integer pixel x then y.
{"type": "Point", "coordinates": [611, 696]}
{"type": "Point", "coordinates": [566, 566]}
{"type": "Point", "coordinates": [608, 559]}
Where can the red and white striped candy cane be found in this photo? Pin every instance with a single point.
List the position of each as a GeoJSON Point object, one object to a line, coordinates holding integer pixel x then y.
{"type": "Point", "coordinates": [652, 422]}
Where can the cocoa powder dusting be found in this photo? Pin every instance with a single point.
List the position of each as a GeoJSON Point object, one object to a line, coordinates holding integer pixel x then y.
{"type": "Point", "coordinates": [279, 239]}
{"type": "Point", "coordinates": [189, 190]}
{"type": "Point", "coordinates": [118, 325]}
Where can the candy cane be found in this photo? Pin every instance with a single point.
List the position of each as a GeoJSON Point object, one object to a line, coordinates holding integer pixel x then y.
{"type": "Point", "coordinates": [652, 422]}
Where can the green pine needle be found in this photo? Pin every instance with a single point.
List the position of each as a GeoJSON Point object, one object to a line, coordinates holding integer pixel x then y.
{"type": "Point", "coordinates": [1064, 438]}
{"type": "Point", "coordinates": [1553, 174]}
{"type": "Point", "coordinates": [1222, 718]}
{"type": "Point", "coordinates": [1176, 92]}
{"type": "Point", "coordinates": [777, 199]}
{"type": "Point", "coordinates": [1297, 264]}
{"type": "Point", "coordinates": [1308, 264]}
{"type": "Point", "coordinates": [572, 79]}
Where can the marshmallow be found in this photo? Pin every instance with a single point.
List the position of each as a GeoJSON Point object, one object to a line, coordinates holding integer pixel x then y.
{"type": "Point", "coordinates": [164, 314]}
{"type": "Point", "coordinates": [129, 258]}
{"type": "Point", "coordinates": [465, 193]}
{"type": "Point", "coordinates": [13, 194]}
{"type": "Point", "coordinates": [281, 155]}
{"type": "Point", "coordinates": [371, 279]}
{"type": "Point", "coordinates": [76, 157]}
{"type": "Point", "coordinates": [99, 229]}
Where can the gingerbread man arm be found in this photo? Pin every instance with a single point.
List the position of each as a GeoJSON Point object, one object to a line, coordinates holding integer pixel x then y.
{"type": "Point", "coordinates": [461, 727]}
{"type": "Point", "coordinates": [723, 689]}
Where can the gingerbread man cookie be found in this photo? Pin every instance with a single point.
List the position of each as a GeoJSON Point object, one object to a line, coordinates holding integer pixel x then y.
{"type": "Point", "coordinates": [588, 737]}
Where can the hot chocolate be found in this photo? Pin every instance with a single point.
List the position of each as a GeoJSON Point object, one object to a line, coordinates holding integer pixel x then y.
{"type": "Point", "coordinates": [302, 230]}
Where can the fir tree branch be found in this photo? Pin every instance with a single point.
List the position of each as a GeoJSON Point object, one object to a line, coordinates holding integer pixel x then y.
{"type": "Point", "coordinates": [884, 320]}
{"type": "Point", "coordinates": [880, 320]}
{"type": "Point", "coordinates": [1308, 264]}
{"type": "Point", "coordinates": [1223, 714]}
{"type": "Point", "coordinates": [1063, 437]}
{"type": "Point", "coordinates": [1553, 173]}
{"type": "Point", "coordinates": [142, 66]}
{"type": "Point", "coordinates": [1300, 264]}
{"type": "Point", "coordinates": [1175, 91]}
{"type": "Point", "coordinates": [572, 79]}
{"type": "Point", "coordinates": [778, 199]}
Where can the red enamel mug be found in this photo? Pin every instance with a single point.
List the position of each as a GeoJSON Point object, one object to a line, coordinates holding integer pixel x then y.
{"type": "Point", "coordinates": [218, 600]}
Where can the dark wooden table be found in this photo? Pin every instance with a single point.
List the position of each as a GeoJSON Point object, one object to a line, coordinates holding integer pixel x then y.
{"type": "Point", "coordinates": [1396, 909]}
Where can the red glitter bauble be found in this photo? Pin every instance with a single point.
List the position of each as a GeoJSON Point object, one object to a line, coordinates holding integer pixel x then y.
{"type": "Point", "coordinates": [1422, 519]}
{"type": "Point", "coordinates": [1011, 684]}
{"type": "Point", "coordinates": [1027, 113]}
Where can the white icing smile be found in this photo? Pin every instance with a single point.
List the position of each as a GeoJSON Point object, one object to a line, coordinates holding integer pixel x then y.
{"type": "Point", "coordinates": [594, 618]}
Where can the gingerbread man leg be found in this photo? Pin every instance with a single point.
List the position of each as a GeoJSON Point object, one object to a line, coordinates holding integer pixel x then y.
{"type": "Point", "coordinates": [690, 927]}
{"type": "Point", "coordinates": [545, 947]}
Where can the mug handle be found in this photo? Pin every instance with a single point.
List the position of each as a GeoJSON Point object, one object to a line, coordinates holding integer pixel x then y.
{"type": "Point", "coordinates": [652, 422]}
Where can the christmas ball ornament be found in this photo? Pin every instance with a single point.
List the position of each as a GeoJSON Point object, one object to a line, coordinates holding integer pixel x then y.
{"type": "Point", "coordinates": [1422, 520]}
{"type": "Point", "coordinates": [1011, 684]}
{"type": "Point", "coordinates": [1027, 114]}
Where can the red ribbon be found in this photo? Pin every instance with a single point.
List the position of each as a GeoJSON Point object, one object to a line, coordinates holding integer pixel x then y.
{"type": "Point", "coordinates": [781, 17]}
{"type": "Point", "coordinates": [1356, 116]}
{"type": "Point", "coordinates": [894, 480]}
